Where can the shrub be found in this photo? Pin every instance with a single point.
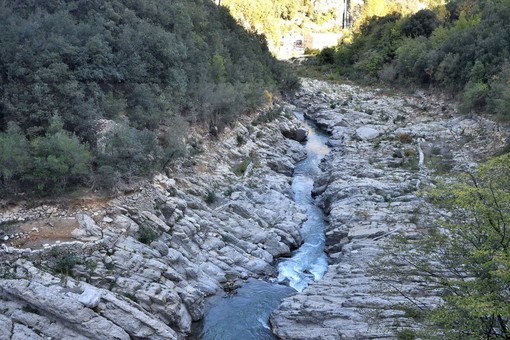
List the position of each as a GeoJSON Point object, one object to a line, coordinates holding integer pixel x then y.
{"type": "Point", "coordinates": [405, 138]}
{"type": "Point", "coordinates": [211, 197]}
{"type": "Point", "coordinates": [146, 234]}
{"type": "Point", "coordinates": [66, 262]}
{"type": "Point", "coordinates": [240, 168]}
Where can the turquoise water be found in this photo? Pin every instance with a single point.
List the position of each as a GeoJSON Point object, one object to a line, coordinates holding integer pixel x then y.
{"type": "Point", "coordinates": [245, 315]}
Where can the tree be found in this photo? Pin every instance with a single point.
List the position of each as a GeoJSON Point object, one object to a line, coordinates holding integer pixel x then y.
{"type": "Point", "coordinates": [422, 23]}
{"type": "Point", "coordinates": [14, 157]}
{"type": "Point", "coordinates": [59, 160]}
{"type": "Point", "coordinates": [466, 257]}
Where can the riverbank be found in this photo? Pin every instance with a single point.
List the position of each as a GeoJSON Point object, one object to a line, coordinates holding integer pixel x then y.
{"type": "Point", "coordinates": [139, 265]}
{"type": "Point", "coordinates": [385, 147]}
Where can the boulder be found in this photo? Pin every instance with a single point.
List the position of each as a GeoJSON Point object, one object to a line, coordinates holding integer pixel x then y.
{"type": "Point", "coordinates": [88, 225]}
{"type": "Point", "coordinates": [282, 166]}
{"type": "Point", "coordinates": [367, 133]}
{"type": "Point", "coordinates": [90, 297]}
{"type": "Point", "coordinates": [294, 132]}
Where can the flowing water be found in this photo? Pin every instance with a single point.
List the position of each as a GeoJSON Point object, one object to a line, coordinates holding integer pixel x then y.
{"type": "Point", "coordinates": [245, 315]}
{"type": "Point", "coordinates": [309, 262]}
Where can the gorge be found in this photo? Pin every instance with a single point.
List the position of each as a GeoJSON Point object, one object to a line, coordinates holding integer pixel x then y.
{"type": "Point", "coordinates": [107, 282]}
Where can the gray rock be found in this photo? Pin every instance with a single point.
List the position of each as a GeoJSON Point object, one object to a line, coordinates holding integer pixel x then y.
{"type": "Point", "coordinates": [161, 247]}
{"type": "Point", "coordinates": [90, 297]}
{"type": "Point", "coordinates": [50, 300]}
{"type": "Point", "coordinates": [5, 327]}
{"type": "Point", "coordinates": [22, 332]}
{"type": "Point", "coordinates": [282, 166]}
{"type": "Point", "coordinates": [294, 132]}
{"type": "Point", "coordinates": [88, 225]}
{"type": "Point", "coordinates": [367, 133]}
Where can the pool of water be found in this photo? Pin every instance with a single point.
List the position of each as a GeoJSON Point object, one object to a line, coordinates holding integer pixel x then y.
{"type": "Point", "coordinates": [244, 315]}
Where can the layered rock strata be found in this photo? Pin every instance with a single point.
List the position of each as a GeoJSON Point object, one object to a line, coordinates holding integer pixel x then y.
{"type": "Point", "coordinates": [385, 146]}
{"type": "Point", "coordinates": [140, 265]}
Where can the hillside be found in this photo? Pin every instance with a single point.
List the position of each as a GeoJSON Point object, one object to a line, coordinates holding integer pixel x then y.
{"type": "Point", "coordinates": [462, 48]}
{"type": "Point", "coordinates": [100, 93]}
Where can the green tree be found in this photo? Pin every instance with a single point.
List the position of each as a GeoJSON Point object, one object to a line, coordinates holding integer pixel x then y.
{"type": "Point", "coordinates": [422, 23]}
{"type": "Point", "coordinates": [15, 157]}
{"type": "Point", "coordinates": [59, 160]}
{"type": "Point", "coordinates": [466, 258]}
{"type": "Point", "coordinates": [129, 152]}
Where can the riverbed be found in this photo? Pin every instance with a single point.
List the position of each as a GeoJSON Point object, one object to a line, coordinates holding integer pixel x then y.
{"type": "Point", "coordinates": [245, 314]}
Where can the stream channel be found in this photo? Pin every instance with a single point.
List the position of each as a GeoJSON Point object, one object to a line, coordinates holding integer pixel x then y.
{"type": "Point", "coordinates": [245, 315]}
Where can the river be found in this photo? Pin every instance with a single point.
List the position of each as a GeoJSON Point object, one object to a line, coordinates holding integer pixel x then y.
{"type": "Point", "coordinates": [245, 314]}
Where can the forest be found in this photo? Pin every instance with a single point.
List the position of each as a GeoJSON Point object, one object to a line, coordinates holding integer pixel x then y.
{"type": "Point", "coordinates": [99, 94]}
{"type": "Point", "coordinates": [461, 47]}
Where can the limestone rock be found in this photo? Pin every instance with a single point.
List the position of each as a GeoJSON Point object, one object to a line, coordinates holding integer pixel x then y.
{"type": "Point", "coordinates": [88, 225]}
{"type": "Point", "coordinates": [90, 297]}
{"type": "Point", "coordinates": [49, 300]}
{"type": "Point", "coordinates": [5, 327]}
{"type": "Point", "coordinates": [367, 133]}
{"type": "Point", "coordinates": [22, 332]}
{"type": "Point", "coordinates": [294, 132]}
{"type": "Point", "coordinates": [281, 165]}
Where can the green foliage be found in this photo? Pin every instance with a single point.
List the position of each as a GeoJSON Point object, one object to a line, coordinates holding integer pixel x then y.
{"type": "Point", "coordinates": [474, 96]}
{"type": "Point", "coordinates": [240, 168]}
{"type": "Point", "coordinates": [466, 257]}
{"type": "Point", "coordinates": [48, 164]}
{"type": "Point", "coordinates": [69, 70]}
{"type": "Point", "coordinates": [375, 45]}
{"type": "Point", "coordinates": [211, 197]}
{"type": "Point", "coordinates": [132, 152]}
{"type": "Point", "coordinates": [462, 48]}
{"type": "Point", "coordinates": [65, 263]}
{"type": "Point", "coordinates": [406, 334]}
{"type": "Point", "coordinates": [422, 23]}
{"type": "Point", "coordinates": [14, 157]}
{"type": "Point", "coordinates": [146, 234]}
{"type": "Point", "coordinates": [58, 160]}
{"type": "Point", "coordinates": [499, 93]}
{"type": "Point", "coordinates": [273, 17]}
{"type": "Point", "coordinates": [268, 116]}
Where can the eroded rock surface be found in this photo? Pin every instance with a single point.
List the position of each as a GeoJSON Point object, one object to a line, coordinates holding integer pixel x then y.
{"type": "Point", "coordinates": [139, 266]}
{"type": "Point", "coordinates": [384, 148]}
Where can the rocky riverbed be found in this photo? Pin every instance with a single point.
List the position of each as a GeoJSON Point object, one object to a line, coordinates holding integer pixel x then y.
{"type": "Point", "coordinates": [139, 265]}
{"type": "Point", "coordinates": [385, 146]}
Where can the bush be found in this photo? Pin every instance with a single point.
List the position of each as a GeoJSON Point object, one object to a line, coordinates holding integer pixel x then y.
{"type": "Point", "coordinates": [211, 197]}
{"type": "Point", "coordinates": [240, 168]}
{"type": "Point", "coordinates": [423, 23]}
{"type": "Point", "coordinates": [66, 262]}
{"type": "Point", "coordinates": [474, 96]}
{"type": "Point", "coordinates": [146, 234]}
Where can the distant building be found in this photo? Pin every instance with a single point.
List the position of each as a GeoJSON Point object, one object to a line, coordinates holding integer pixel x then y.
{"type": "Point", "coordinates": [320, 41]}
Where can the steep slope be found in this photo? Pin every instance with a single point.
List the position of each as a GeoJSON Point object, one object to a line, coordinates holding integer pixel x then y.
{"type": "Point", "coordinates": [80, 80]}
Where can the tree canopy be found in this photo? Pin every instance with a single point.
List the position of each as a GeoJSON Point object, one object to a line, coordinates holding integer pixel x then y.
{"type": "Point", "coordinates": [114, 73]}
{"type": "Point", "coordinates": [462, 47]}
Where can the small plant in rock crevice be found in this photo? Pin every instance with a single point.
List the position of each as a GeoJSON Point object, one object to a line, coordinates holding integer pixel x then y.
{"type": "Point", "coordinates": [146, 234]}
{"type": "Point", "coordinates": [240, 168]}
{"type": "Point", "coordinates": [211, 197]}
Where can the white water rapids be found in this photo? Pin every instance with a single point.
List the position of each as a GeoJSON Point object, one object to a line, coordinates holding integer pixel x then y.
{"type": "Point", "coordinates": [245, 315]}
{"type": "Point", "coordinates": [309, 262]}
